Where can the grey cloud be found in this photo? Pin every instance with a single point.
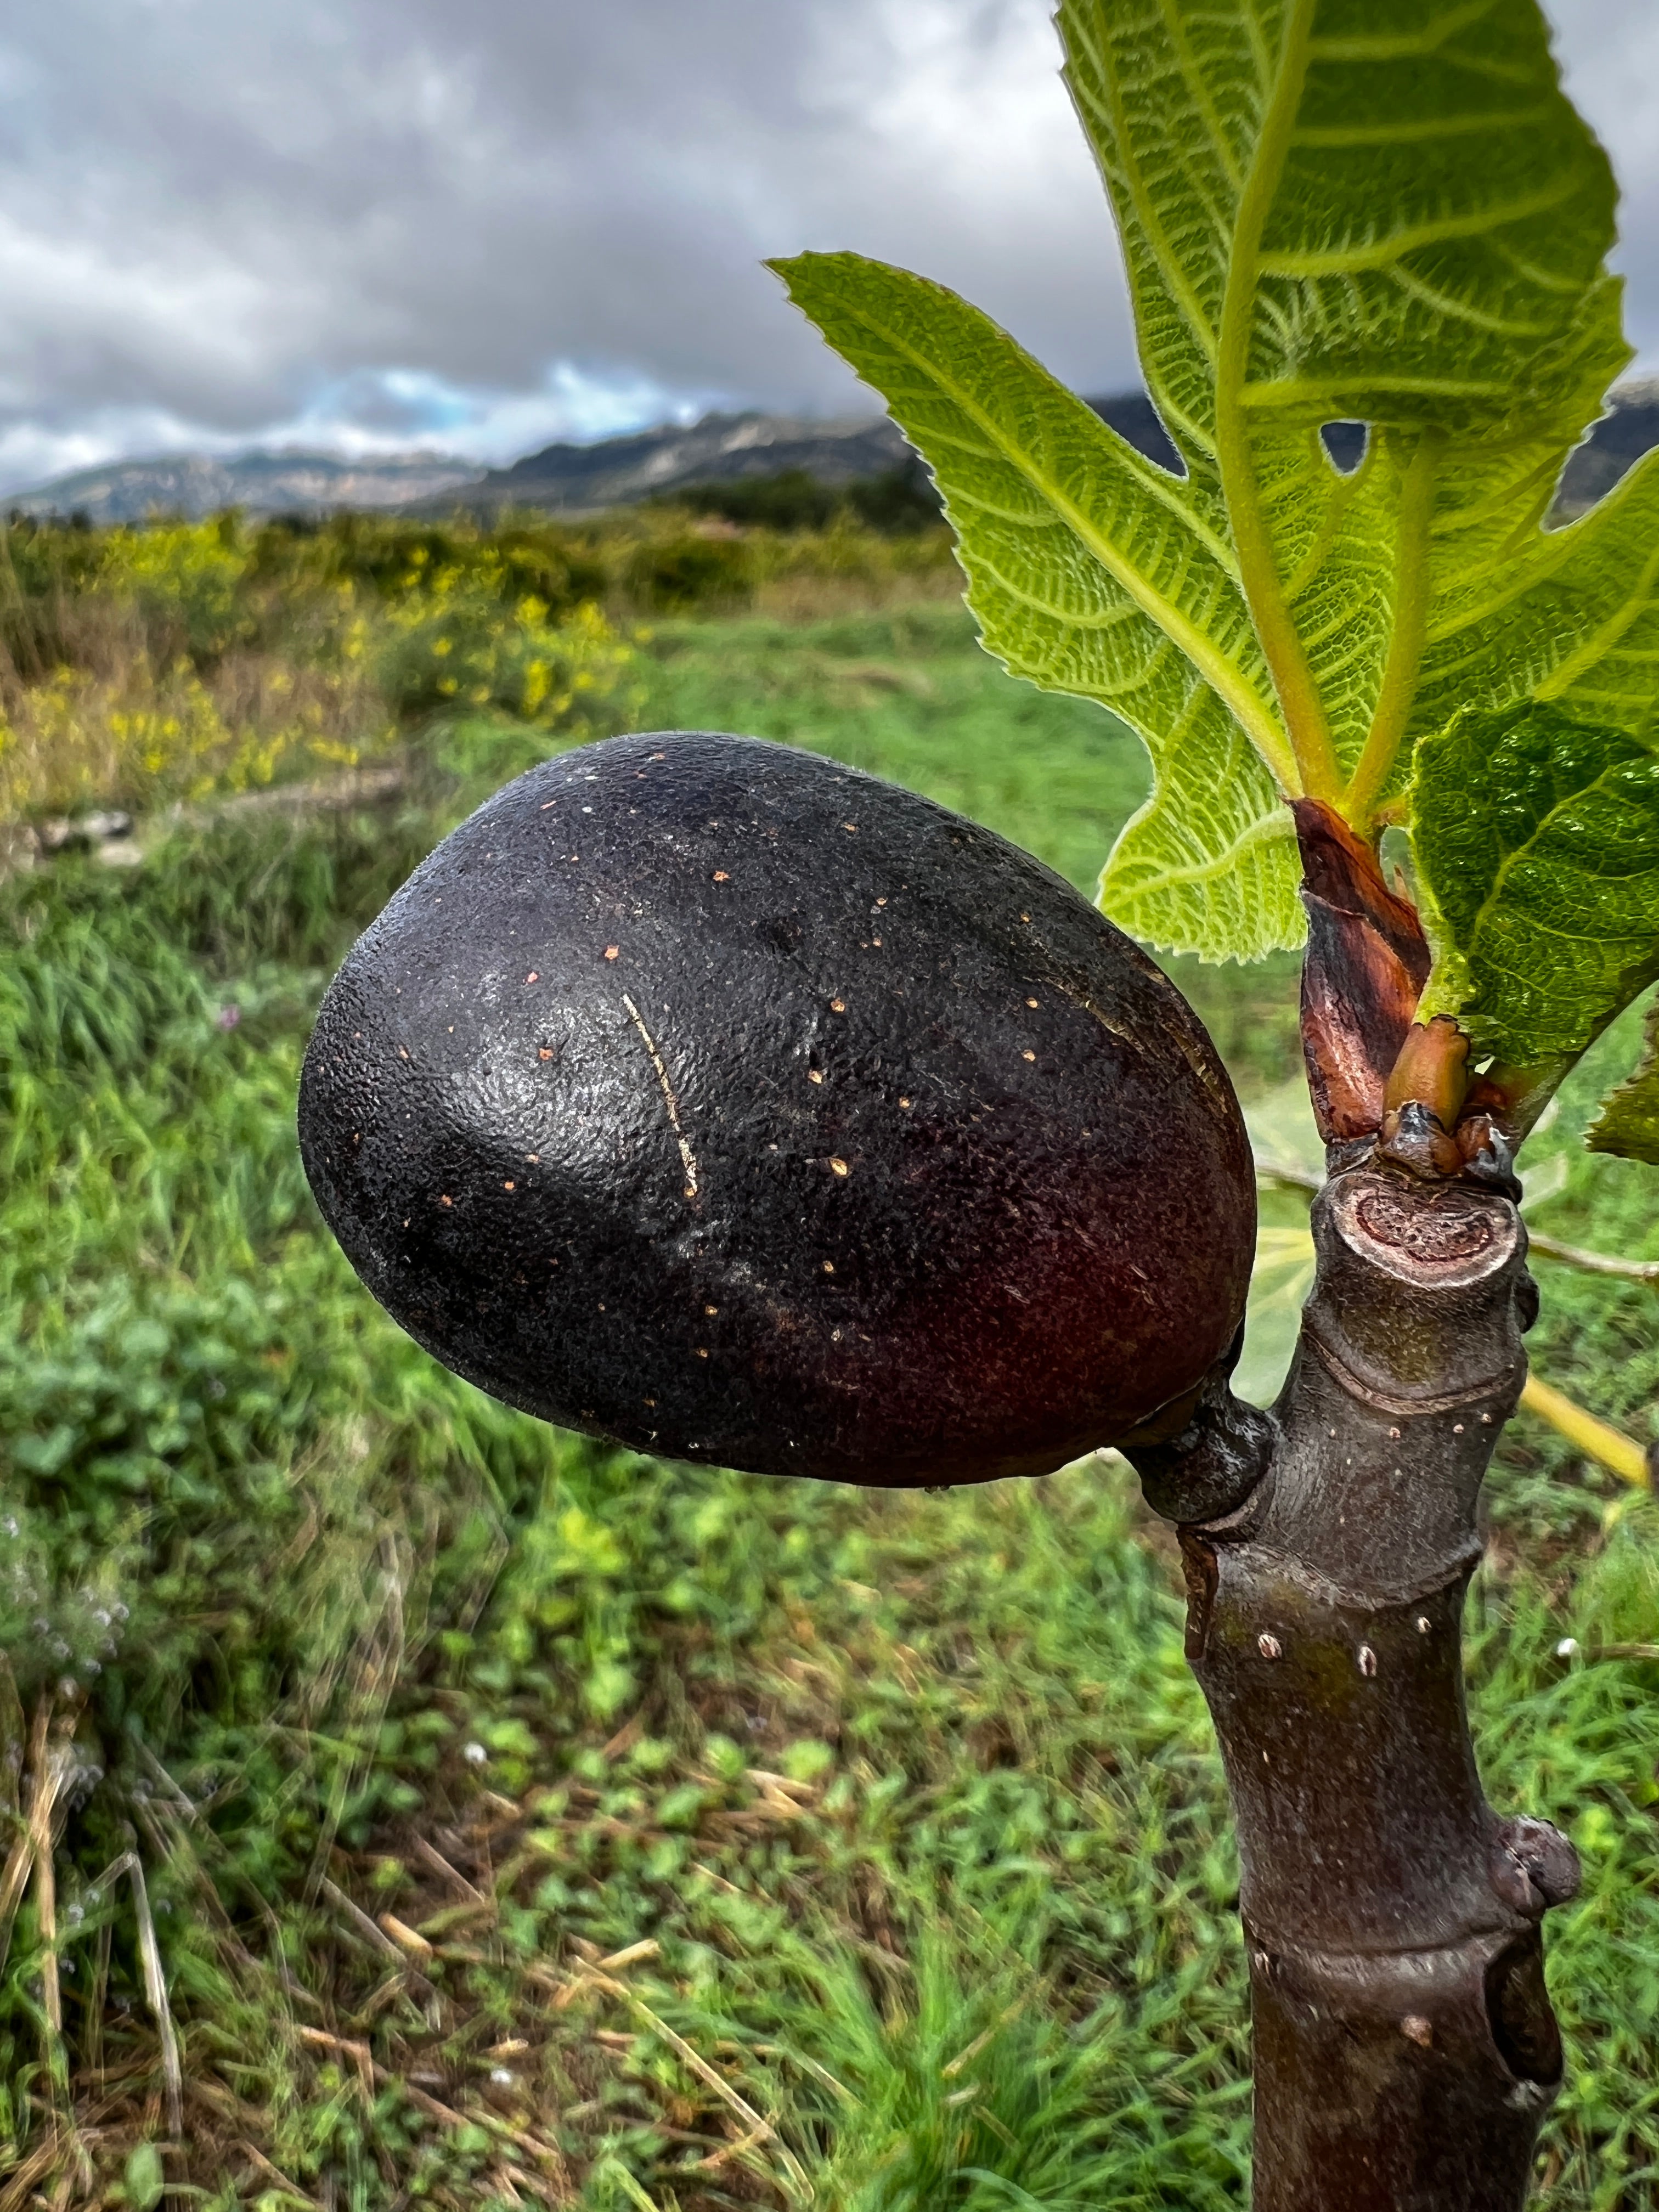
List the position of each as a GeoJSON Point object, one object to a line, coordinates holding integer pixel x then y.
{"type": "Point", "coordinates": [215, 220]}
{"type": "Point", "coordinates": [1610, 55]}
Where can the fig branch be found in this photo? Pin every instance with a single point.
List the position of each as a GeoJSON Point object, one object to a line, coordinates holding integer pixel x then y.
{"type": "Point", "coordinates": [1405, 2048]}
{"type": "Point", "coordinates": [1597, 1439]}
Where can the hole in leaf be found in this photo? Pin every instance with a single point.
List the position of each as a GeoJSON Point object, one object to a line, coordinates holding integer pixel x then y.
{"type": "Point", "coordinates": [1345, 444]}
{"type": "Point", "coordinates": [1136, 419]}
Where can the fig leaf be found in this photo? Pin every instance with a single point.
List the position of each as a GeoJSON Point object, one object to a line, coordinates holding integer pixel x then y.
{"type": "Point", "coordinates": [1537, 843]}
{"type": "Point", "coordinates": [1379, 211]}
{"type": "Point", "coordinates": [1092, 570]}
{"type": "Point", "coordinates": [1567, 616]}
{"type": "Point", "coordinates": [1628, 1123]}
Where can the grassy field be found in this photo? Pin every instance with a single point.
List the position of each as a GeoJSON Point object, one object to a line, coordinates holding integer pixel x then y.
{"type": "Point", "coordinates": [522, 1822]}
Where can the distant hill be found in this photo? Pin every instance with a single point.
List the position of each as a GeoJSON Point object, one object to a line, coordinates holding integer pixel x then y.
{"type": "Point", "coordinates": [722, 448]}
{"type": "Point", "coordinates": [570, 479]}
{"type": "Point", "coordinates": [262, 483]}
{"type": "Point", "coordinates": [618, 472]}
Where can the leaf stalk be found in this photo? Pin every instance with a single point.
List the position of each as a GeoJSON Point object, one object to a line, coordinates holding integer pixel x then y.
{"type": "Point", "coordinates": [1405, 659]}
{"type": "Point", "coordinates": [1318, 775]}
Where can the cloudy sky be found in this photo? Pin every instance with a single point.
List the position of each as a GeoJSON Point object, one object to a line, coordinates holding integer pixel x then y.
{"type": "Point", "coordinates": [484, 224]}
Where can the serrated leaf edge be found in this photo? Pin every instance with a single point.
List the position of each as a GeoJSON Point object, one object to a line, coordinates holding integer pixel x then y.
{"type": "Point", "coordinates": [1246, 705]}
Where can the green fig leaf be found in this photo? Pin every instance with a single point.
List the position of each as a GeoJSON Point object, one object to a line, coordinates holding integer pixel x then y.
{"type": "Point", "coordinates": [1568, 617]}
{"type": "Point", "coordinates": [1379, 210]}
{"type": "Point", "coordinates": [1537, 847]}
{"type": "Point", "coordinates": [1091, 570]}
{"type": "Point", "coordinates": [1628, 1123]}
{"type": "Point", "coordinates": [1383, 211]}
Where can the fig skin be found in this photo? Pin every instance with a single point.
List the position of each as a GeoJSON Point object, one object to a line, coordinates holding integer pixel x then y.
{"type": "Point", "coordinates": [716, 1098]}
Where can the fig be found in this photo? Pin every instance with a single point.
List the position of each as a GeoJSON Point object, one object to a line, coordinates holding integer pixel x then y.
{"type": "Point", "coordinates": [713, 1097]}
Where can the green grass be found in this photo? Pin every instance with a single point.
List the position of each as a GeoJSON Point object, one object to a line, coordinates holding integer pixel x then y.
{"type": "Point", "coordinates": [911, 1796]}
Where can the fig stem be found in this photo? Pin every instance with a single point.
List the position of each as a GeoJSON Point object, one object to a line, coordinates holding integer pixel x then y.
{"type": "Point", "coordinates": [1211, 1467]}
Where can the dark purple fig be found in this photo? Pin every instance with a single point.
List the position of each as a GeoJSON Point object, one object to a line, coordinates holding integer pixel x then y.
{"type": "Point", "coordinates": [714, 1097]}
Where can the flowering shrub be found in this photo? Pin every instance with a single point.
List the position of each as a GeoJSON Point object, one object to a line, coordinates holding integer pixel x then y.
{"type": "Point", "coordinates": [183, 661]}
{"type": "Point", "coordinates": [172, 661]}
{"type": "Point", "coordinates": [185, 580]}
{"type": "Point", "coordinates": [690, 569]}
{"type": "Point", "coordinates": [456, 647]}
{"type": "Point", "coordinates": [142, 740]}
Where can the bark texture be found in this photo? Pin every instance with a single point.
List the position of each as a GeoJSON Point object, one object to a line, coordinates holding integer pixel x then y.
{"type": "Point", "coordinates": [1405, 2048]}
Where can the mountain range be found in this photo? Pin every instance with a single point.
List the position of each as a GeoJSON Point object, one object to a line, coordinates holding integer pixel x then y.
{"type": "Point", "coordinates": [572, 479]}
{"type": "Point", "coordinates": [260, 482]}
